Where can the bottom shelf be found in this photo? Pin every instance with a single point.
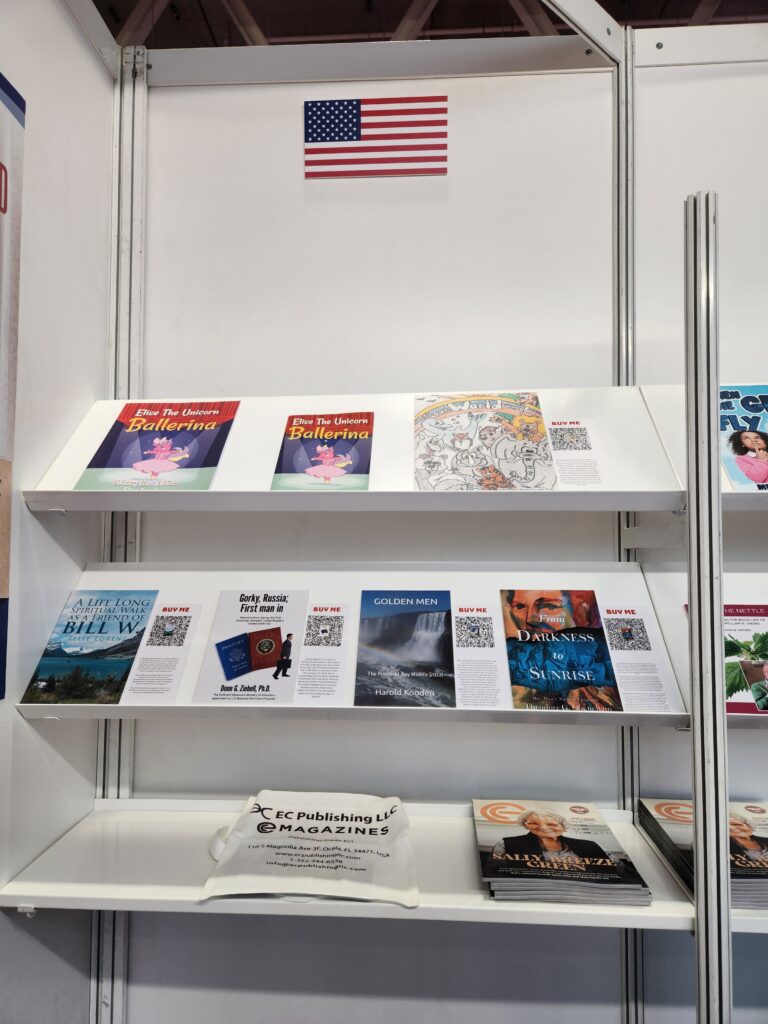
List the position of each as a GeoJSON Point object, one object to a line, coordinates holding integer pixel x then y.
{"type": "Point", "coordinates": [152, 855]}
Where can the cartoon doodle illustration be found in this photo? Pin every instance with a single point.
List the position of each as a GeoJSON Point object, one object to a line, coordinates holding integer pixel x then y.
{"type": "Point", "coordinates": [489, 442]}
{"type": "Point", "coordinates": [163, 458]}
{"type": "Point", "coordinates": [331, 465]}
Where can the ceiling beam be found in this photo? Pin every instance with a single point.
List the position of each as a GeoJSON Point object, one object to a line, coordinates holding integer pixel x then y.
{"type": "Point", "coordinates": [534, 17]}
{"type": "Point", "coordinates": [705, 11]}
{"type": "Point", "coordinates": [244, 22]}
{"type": "Point", "coordinates": [140, 22]}
{"type": "Point", "coordinates": [413, 20]}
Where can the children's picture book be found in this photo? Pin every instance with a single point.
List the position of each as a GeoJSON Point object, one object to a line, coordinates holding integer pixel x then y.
{"type": "Point", "coordinates": [331, 452]}
{"type": "Point", "coordinates": [405, 649]}
{"type": "Point", "coordinates": [164, 445]}
{"type": "Point", "coordinates": [92, 649]}
{"type": "Point", "coordinates": [746, 658]}
{"type": "Point", "coordinates": [557, 651]}
{"type": "Point", "coordinates": [494, 441]}
{"type": "Point", "coordinates": [744, 435]}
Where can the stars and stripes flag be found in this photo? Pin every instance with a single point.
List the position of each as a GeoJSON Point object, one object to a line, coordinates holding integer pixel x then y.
{"type": "Point", "coordinates": [383, 137]}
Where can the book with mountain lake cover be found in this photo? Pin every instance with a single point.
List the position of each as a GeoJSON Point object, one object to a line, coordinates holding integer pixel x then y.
{"type": "Point", "coordinates": [92, 648]}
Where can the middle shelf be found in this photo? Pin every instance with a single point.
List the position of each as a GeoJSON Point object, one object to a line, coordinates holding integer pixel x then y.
{"type": "Point", "coordinates": [579, 643]}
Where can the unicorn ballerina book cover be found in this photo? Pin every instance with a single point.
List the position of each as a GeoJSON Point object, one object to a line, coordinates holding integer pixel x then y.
{"type": "Point", "coordinates": [331, 452]}
{"type": "Point", "coordinates": [171, 445]}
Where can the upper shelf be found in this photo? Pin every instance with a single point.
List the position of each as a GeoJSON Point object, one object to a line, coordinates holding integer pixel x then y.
{"type": "Point", "coordinates": [601, 478]}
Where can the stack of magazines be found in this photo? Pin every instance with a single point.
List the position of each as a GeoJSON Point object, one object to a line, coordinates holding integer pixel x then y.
{"type": "Point", "coordinates": [669, 823]}
{"type": "Point", "coordinates": [554, 853]}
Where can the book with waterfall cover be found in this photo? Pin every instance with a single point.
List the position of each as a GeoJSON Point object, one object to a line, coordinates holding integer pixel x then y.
{"type": "Point", "coordinates": [669, 823]}
{"type": "Point", "coordinates": [554, 852]}
{"type": "Point", "coordinates": [330, 452]}
{"type": "Point", "coordinates": [163, 445]}
{"type": "Point", "coordinates": [405, 649]}
{"type": "Point", "coordinates": [92, 648]}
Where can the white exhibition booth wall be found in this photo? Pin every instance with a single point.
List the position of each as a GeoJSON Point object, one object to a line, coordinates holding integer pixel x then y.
{"type": "Point", "coordinates": [258, 282]}
{"type": "Point", "coordinates": [699, 99]}
{"type": "Point", "coordinates": [47, 776]}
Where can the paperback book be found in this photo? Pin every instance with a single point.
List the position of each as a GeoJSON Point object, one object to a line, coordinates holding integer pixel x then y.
{"type": "Point", "coordinates": [331, 452]}
{"type": "Point", "coordinates": [405, 649]}
{"type": "Point", "coordinates": [254, 647]}
{"type": "Point", "coordinates": [744, 435]}
{"type": "Point", "coordinates": [92, 649]}
{"type": "Point", "coordinates": [163, 445]}
{"type": "Point", "coordinates": [342, 845]}
{"type": "Point", "coordinates": [557, 650]}
{"type": "Point", "coordinates": [554, 852]}
{"type": "Point", "coordinates": [489, 441]}
{"type": "Point", "coordinates": [746, 658]}
{"type": "Point", "coordinates": [669, 823]}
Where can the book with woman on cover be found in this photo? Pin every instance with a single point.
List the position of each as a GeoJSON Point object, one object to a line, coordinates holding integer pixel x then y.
{"type": "Point", "coordinates": [537, 849]}
{"type": "Point", "coordinates": [330, 452]}
{"type": "Point", "coordinates": [163, 445]}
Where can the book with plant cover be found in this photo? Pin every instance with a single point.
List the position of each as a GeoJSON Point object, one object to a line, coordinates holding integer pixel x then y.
{"type": "Point", "coordinates": [746, 658]}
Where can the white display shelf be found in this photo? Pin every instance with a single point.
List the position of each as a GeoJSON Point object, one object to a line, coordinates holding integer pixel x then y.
{"type": "Point", "coordinates": [668, 587]}
{"type": "Point", "coordinates": [152, 855]}
{"type": "Point", "coordinates": [666, 404]}
{"type": "Point", "coordinates": [616, 585]}
{"type": "Point", "coordinates": [751, 922]}
{"type": "Point", "coordinates": [644, 482]}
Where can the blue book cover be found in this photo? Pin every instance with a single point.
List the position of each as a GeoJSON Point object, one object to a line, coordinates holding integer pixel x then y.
{"type": "Point", "coordinates": [405, 649]}
{"type": "Point", "coordinates": [557, 651]}
{"type": "Point", "coordinates": [92, 648]}
{"type": "Point", "coordinates": [235, 656]}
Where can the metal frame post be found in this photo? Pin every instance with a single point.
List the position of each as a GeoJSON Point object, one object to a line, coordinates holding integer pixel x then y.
{"type": "Point", "coordinates": [705, 610]}
{"type": "Point", "coordinates": [109, 943]}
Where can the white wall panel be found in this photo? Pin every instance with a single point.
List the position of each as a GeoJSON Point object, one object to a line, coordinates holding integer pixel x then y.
{"type": "Point", "coordinates": [698, 129]}
{"type": "Point", "coordinates": [358, 972]}
{"type": "Point", "coordinates": [497, 274]}
{"type": "Point", "coordinates": [47, 775]}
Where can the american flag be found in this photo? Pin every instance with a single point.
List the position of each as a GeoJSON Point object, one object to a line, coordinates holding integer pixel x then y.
{"type": "Point", "coordinates": [404, 135]}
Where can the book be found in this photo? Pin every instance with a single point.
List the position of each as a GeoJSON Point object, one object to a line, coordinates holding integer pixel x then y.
{"type": "Point", "coordinates": [92, 648]}
{"type": "Point", "coordinates": [342, 845]}
{"type": "Point", "coordinates": [744, 435]}
{"type": "Point", "coordinates": [254, 647]}
{"type": "Point", "coordinates": [669, 823]}
{"type": "Point", "coordinates": [746, 658]}
{"type": "Point", "coordinates": [164, 445]}
{"type": "Point", "coordinates": [554, 852]}
{"type": "Point", "coordinates": [330, 452]}
{"type": "Point", "coordinates": [557, 651]}
{"type": "Point", "coordinates": [485, 441]}
{"type": "Point", "coordinates": [405, 649]}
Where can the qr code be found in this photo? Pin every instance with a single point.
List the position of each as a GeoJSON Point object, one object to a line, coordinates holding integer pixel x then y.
{"type": "Point", "coordinates": [169, 631]}
{"type": "Point", "coordinates": [474, 631]}
{"type": "Point", "coordinates": [570, 439]}
{"type": "Point", "coordinates": [324, 631]}
{"type": "Point", "coordinates": [627, 635]}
